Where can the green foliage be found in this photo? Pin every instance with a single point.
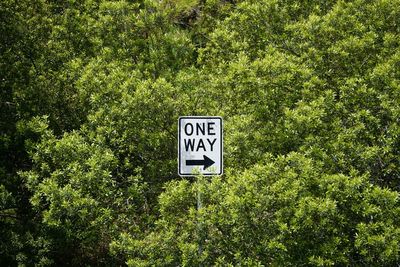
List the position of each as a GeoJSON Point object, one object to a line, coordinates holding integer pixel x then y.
{"type": "Point", "coordinates": [81, 198]}
{"type": "Point", "coordinates": [284, 211]}
{"type": "Point", "coordinates": [90, 96]}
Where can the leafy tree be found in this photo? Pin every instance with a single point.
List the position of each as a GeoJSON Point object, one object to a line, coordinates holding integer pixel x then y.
{"type": "Point", "coordinates": [284, 211]}
{"type": "Point", "coordinates": [90, 95]}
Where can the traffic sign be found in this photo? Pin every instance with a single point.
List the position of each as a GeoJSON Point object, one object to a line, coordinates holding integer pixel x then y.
{"type": "Point", "coordinates": [200, 145]}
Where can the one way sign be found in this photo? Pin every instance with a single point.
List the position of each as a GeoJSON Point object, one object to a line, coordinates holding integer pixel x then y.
{"type": "Point", "coordinates": [200, 146]}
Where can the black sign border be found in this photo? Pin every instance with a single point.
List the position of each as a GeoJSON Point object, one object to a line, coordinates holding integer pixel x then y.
{"type": "Point", "coordinates": [221, 145]}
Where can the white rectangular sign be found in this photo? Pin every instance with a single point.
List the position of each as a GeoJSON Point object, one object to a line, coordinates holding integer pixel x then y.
{"type": "Point", "coordinates": [200, 146]}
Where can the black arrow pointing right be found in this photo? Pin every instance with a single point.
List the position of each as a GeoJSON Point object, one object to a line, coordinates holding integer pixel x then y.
{"type": "Point", "coordinates": [206, 162]}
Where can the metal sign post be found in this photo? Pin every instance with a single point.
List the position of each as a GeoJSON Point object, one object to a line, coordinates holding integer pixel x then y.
{"type": "Point", "coordinates": [199, 222]}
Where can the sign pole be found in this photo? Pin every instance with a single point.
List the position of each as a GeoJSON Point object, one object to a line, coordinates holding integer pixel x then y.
{"type": "Point", "coordinates": [199, 219]}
